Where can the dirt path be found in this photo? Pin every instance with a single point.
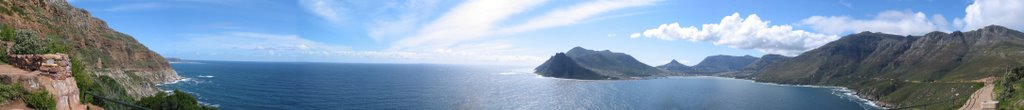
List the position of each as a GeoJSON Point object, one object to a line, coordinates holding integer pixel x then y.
{"type": "Point", "coordinates": [982, 98]}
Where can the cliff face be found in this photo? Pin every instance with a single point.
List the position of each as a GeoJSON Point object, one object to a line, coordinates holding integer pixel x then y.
{"type": "Point", "coordinates": [604, 63]}
{"type": "Point", "coordinates": [901, 69]}
{"type": "Point", "coordinates": [90, 41]}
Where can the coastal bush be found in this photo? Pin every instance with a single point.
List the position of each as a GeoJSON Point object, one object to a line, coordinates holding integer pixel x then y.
{"type": "Point", "coordinates": [106, 86]}
{"type": "Point", "coordinates": [27, 42]}
{"type": "Point", "coordinates": [9, 92]}
{"type": "Point", "coordinates": [82, 79]}
{"type": "Point", "coordinates": [54, 44]}
{"type": "Point", "coordinates": [40, 101]}
{"type": "Point", "coordinates": [177, 100]}
{"type": "Point", "coordinates": [1009, 88]}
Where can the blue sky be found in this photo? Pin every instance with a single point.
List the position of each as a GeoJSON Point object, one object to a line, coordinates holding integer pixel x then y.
{"type": "Point", "coordinates": [522, 32]}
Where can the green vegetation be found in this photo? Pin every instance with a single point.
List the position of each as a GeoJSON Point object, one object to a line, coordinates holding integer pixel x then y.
{"type": "Point", "coordinates": [10, 92]}
{"type": "Point", "coordinates": [55, 44]}
{"type": "Point", "coordinates": [108, 87]}
{"type": "Point", "coordinates": [40, 101]}
{"type": "Point", "coordinates": [1010, 90]}
{"type": "Point", "coordinates": [7, 33]}
{"type": "Point", "coordinates": [82, 79]}
{"type": "Point", "coordinates": [28, 42]}
{"type": "Point", "coordinates": [178, 100]}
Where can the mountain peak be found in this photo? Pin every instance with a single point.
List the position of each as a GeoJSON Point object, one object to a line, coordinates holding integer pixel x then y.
{"type": "Point", "coordinates": [674, 62]}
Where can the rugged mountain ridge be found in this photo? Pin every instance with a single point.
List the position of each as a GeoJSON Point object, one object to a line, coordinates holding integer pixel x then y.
{"type": "Point", "coordinates": [675, 66]}
{"type": "Point", "coordinates": [561, 66]}
{"type": "Point", "coordinates": [102, 50]}
{"type": "Point", "coordinates": [904, 70]}
{"type": "Point", "coordinates": [722, 63]}
{"type": "Point", "coordinates": [604, 63]}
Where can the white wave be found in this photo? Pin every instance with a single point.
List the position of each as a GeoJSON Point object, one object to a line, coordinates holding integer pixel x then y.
{"type": "Point", "coordinates": [183, 79]}
{"type": "Point", "coordinates": [509, 73]}
{"type": "Point", "coordinates": [206, 76]}
{"type": "Point", "coordinates": [186, 63]}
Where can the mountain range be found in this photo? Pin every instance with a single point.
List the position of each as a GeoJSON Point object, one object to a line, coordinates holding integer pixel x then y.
{"type": "Point", "coordinates": [590, 64]}
{"type": "Point", "coordinates": [894, 70]}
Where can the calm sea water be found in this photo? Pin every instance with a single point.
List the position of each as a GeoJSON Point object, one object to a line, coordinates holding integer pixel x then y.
{"type": "Point", "coordinates": [275, 85]}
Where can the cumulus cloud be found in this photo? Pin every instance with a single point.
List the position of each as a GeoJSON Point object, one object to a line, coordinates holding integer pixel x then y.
{"type": "Point", "coordinates": [749, 33]}
{"type": "Point", "coordinates": [894, 22]}
{"type": "Point", "coordinates": [988, 12]}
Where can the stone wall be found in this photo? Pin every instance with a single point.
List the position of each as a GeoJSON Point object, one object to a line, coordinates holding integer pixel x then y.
{"type": "Point", "coordinates": [57, 66]}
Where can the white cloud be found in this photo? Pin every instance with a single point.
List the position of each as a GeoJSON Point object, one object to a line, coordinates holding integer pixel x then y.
{"type": "Point", "coordinates": [389, 25]}
{"type": "Point", "coordinates": [327, 10]}
{"type": "Point", "coordinates": [285, 46]}
{"type": "Point", "coordinates": [988, 12]}
{"type": "Point", "coordinates": [575, 14]}
{"type": "Point", "coordinates": [749, 33]}
{"type": "Point", "coordinates": [478, 19]}
{"type": "Point", "coordinates": [271, 43]}
{"type": "Point", "coordinates": [893, 22]}
{"type": "Point", "coordinates": [469, 20]}
{"type": "Point", "coordinates": [137, 6]}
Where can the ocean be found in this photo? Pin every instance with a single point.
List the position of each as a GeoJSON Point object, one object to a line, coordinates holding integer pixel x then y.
{"type": "Point", "coordinates": [297, 85]}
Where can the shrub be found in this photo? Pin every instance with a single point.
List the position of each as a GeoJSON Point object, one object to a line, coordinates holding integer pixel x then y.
{"type": "Point", "coordinates": [9, 92]}
{"type": "Point", "coordinates": [27, 42]}
{"type": "Point", "coordinates": [178, 100]}
{"type": "Point", "coordinates": [40, 101]}
{"type": "Point", "coordinates": [82, 79]}
{"type": "Point", "coordinates": [55, 45]}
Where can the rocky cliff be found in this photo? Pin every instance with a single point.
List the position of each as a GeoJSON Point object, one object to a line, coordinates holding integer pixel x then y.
{"type": "Point", "coordinates": [102, 50]}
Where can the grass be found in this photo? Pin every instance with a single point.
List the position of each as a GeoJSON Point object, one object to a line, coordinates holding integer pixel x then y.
{"type": "Point", "coordinates": [10, 92]}
{"type": "Point", "coordinates": [40, 100]}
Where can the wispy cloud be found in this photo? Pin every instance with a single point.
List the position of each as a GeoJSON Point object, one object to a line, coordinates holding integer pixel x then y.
{"type": "Point", "coordinates": [253, 44]}
{"type": "Point", "coordinates": [749, 33]}
{"type": "Point", "coordinates": [469, 20]}
{"type": "Point", "coordinates": [328, 10]}
{"type": "Point", "coordinates": [576, 14]}
{"type": "Point", "coordinates": [387, 26]}
{"type": "Point", "coordinates": [137, 6]}
{"type": "Point", "coordinates": [271, 43]}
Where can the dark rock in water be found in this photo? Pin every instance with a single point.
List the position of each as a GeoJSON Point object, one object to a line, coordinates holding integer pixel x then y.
{"type": "Point", "coordinates": [561, 66]}
{"type": "Point", "coordinates": [605, 63]}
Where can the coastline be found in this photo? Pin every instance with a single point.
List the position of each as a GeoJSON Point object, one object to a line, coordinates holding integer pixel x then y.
{"type": "Point", "coordinates": [846, 91]}
{"type": "Point", "coordinates": [843, 90]}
